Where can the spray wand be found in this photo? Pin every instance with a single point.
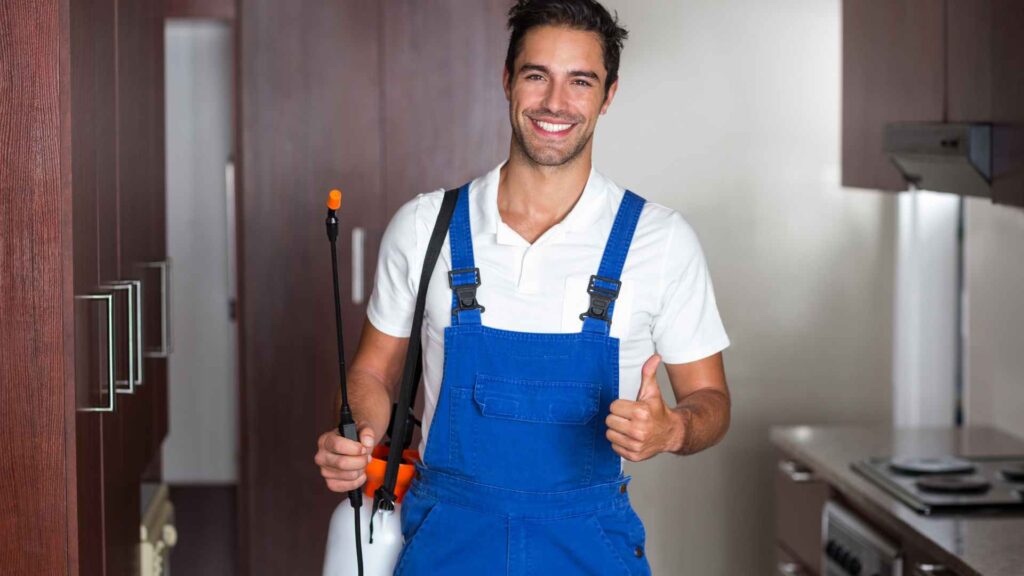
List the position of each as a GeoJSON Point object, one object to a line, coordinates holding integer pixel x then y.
{"type": "Point", "coordinates": [346, 423]}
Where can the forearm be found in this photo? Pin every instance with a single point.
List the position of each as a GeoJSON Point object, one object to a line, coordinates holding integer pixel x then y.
{"type": "Point", "coordinates": [702, 419]}
{"type": "Point", "coordinates": [369, 397]}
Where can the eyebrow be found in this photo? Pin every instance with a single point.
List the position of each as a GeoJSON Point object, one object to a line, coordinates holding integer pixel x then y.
{"type": "Point", "coordinates": [572, 73]}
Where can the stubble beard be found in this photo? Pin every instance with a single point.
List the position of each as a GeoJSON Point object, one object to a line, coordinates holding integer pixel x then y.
{"type": "Point", "coordinates": [548, 158]}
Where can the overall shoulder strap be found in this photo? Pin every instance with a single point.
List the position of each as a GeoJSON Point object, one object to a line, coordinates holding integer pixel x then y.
{"type": "Point", "coordinates": [464, 277]}
{"type": "Point", "coordinates": [401, 429]}
{"type": "Point", "coordinates": [604, 286]}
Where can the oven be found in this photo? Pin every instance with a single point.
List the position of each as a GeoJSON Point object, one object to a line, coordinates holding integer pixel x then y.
{"type": "Point", "coordinates": [852, 548]}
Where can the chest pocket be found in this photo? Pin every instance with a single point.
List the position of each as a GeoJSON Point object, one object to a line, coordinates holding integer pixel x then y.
{"type": "Point", "coordinates": [537, 401]}
{"type": "Point", "coordinates": [576, 301]}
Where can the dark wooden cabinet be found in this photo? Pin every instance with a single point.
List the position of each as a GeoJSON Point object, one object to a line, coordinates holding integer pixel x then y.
{"type": "Point", "coordinates": [94, 206]}
{"type": "Point", "coordinates": [893, 71]}
{"type": "Point", "coordinates": [800, 497]}
{"type": "Point", "coordinates": [953, 61]}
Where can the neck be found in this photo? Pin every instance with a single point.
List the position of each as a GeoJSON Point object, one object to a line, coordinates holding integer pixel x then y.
{"type": "Point", "coordinates": [540, 196]}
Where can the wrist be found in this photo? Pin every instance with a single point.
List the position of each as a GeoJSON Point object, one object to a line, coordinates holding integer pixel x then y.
{"type": "Point", "coordinates": [680, 418]}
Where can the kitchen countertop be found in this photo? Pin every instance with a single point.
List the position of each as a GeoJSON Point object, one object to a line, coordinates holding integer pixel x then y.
{"type": "Point", "coordinates": [974, 545]}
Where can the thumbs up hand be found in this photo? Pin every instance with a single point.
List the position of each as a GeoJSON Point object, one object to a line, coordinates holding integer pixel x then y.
{"type": "Point", "coordinates": [643, 428]}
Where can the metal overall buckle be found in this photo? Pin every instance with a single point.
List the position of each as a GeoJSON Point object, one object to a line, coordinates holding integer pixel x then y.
{"type": "Point", "coordinates": [601, 298]}
{"type": "Point", "coordinates": [465, 293]}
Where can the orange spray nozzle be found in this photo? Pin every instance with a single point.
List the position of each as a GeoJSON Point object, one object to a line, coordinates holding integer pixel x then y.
{"type": "Point", "coordinates": [334, 199]}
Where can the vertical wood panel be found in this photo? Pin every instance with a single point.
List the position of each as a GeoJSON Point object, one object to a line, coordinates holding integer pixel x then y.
{"type": "Point", "coordinates": [1008, 101]}
{"type": "Point", "coordinates": [893, 71]}
{"type": "Point", "coordinates": [310, 117]}
{"type": "Point", "coordinates": [446, 117]}
{"type": "Point", "coordinates": [323, 105]}
{"type": "Point", "coordinates": [34, 305]}
{"type": "Point", "coordinates": [969, 60]}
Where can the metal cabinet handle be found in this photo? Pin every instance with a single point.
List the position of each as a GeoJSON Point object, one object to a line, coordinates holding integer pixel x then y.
{"type": "Point", "coordinates": [925, 569]}
{"type": "Point", "coordinates": [790, 569]}
{"type": "Point", "coordinates": [795, 471]}
{"type": "Point", "coordinates": [358, 242]}
{"type": "Point", "coordinates": [111, 380]}
{"type": "Point", "coordinates": [231, 222]}
{"type": "Point", "coordinates": [164, 349]}
{"type": "Point", "coordinates": [135, 363]}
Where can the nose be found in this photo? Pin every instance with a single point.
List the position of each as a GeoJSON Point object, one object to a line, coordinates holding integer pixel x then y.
{"type": "Point", "coordinates": [554, 98]}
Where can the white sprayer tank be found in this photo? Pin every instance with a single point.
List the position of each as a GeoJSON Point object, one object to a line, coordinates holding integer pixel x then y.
{"type": "Point", "coordinates": [378, 558]}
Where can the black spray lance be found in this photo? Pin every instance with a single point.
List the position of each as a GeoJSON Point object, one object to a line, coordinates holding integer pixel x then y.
{"type": "Point", "coordinates": [346, 423]}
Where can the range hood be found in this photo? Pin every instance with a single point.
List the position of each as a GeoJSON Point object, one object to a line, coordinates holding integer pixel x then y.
{"type": "Point", "coordinates": [953, 158]}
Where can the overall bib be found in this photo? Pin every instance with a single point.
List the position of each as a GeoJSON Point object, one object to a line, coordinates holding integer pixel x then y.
{"type": "Point", "coordinates": [518, 477]}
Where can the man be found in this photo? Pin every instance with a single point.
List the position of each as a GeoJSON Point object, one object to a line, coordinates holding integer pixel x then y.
{"type": "Point", "coordinates": [541, 379]}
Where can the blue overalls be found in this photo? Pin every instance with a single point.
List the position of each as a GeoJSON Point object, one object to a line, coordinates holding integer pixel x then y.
{"type": "Point", "coordinates": [518, 477]}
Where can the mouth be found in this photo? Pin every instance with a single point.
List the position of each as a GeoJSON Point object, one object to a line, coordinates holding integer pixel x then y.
{"type": "Point", "coordinates": [555, 129]}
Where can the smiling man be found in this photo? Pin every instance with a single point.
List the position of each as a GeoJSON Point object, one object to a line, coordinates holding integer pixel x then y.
{"type": "Point", "coordinates": [557, 295]}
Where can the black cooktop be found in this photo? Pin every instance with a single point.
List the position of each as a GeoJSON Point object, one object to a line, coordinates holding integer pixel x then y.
{"type": "Point", "coordinates": [948, 484]}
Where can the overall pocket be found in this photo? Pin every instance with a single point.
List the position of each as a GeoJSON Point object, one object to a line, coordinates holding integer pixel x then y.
{"type": "Point", "coordinates": [533, 434]}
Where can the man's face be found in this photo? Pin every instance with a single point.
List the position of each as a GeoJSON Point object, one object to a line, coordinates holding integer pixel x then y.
{"type": "Point", "coordinates": [556, 93]}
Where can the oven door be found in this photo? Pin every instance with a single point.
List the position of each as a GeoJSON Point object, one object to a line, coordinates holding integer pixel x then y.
{"type": "Point", "coordinates": [853, 548]}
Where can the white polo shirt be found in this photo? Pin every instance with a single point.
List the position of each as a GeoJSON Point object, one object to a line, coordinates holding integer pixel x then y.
{"type": "Point", "coordinates": [666, 302]}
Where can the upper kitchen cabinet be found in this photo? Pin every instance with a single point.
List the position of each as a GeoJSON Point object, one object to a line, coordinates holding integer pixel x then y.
{"type": "Point", "coordinates": [893, 71]}
{"type": "Point", "coordinates": [985, 54]}
{"type": "Point", "coordinates": [931, 61]}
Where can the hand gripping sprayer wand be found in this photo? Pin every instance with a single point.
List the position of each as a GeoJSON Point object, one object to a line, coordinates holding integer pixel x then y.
{"type": "Point", "coordinates": [346, 424]}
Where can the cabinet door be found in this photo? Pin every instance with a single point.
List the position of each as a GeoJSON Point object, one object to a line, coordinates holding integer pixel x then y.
{"type": "Point", "coordinates": [1008, 101]}
{"type": "Point", "coordinates": [93, 185]}
{"type": "Point", "coordinates": [140, 198]}
{"type": "Point", "coordinates": [893, 71]}
{"type": "Point", "coordinates": [799, 501]}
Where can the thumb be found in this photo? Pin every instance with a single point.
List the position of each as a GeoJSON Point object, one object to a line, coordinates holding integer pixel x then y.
{"type": "Point", "coordinates": [648, 381]}
{"type": "Point", "coordinates": [366, 438]}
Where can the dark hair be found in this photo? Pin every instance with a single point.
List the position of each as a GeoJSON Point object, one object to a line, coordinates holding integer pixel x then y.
{"type": "Point", "coordinates": [586, 15]}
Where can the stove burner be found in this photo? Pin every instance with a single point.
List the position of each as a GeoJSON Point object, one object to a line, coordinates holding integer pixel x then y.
{"type": "Point", "coordinates": [954, 484]}
{"type": "Point", "coordinates": [926, 466]}
{"type": "Point", "coordinates": [1013, 472]}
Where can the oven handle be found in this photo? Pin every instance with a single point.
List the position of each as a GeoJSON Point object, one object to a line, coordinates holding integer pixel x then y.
{"type": "Point", "coordinates": [796, 472]}
{"type": "Point", "coordinates": [924, 569]}
{"type": "Point", "coordinates": [790, 569]}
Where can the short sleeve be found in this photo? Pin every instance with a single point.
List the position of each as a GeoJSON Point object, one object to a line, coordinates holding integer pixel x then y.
{"type": "Point", "coordinates": [687, 326]}
{"type": "Point", "coordinates": [393, 300]}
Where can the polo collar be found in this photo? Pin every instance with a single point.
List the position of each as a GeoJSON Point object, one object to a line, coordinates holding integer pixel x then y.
{"type": "Point", "coordinates": [582, 216]}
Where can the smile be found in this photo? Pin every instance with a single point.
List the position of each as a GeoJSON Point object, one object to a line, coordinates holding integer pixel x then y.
{"type": "Point", "coordinates": [552, 128]}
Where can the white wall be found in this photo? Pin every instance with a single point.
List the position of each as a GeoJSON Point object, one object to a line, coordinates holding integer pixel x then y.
{"type": "Point", "coordinates": [729, 112]}
{"type": "Point", "coordinates": [202, 446]}
{"type": "Point", "coordinates": [995, 309]}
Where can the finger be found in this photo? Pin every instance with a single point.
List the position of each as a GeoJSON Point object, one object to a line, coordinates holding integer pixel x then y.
{"type": "Point", "coordinates": [329, 460]}
{"type": "Point", "coordinates": [627, 454]}
{"type": "Point", "coordinates": [623, 408]}
{"type": "Point", "coordinates": [366, 437]}
{"type": "Point", "coordinates": [617, 423]}
{"type": "Point", "coordinates": [335, 474]}
{"type": "Point", "coordinates": [649, 380]}
{"type": "Point", "coordinates": [346, 485]}
{"type": "Point", "coordinates": [338, 444]}
{"type": "Point", "coordinates": [621, 440]}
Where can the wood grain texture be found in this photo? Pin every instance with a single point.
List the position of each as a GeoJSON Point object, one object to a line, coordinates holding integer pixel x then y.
{"type": "Point", "coordinates": [385, 100]}
{"type": "Point", "coordinates": [91, 118]}
{"type": "Point", "coordinates": [969, 60]}
{"type": "Point", "coordinates": [445, 113]}
{"type": "Point", "coordinates": [217, 9]}
{"type": "Point", "coordinates": [310, 118]}
{"type": "Point", "coordinates": [33, 311]}
{"type": "Point", "coordinates": [1008, 101]}
{"type": "Point", "coordinates": [893, 71]}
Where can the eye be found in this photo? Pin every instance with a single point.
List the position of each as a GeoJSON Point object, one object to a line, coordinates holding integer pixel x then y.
{"type": "Point", "coordinates": [534, 77]}
{"type": "Point", "coordinates": [581, 83]}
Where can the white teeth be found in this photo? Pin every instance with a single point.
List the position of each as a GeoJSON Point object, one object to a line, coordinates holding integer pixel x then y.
{"type": "Point", "coordinates": [549, 127]}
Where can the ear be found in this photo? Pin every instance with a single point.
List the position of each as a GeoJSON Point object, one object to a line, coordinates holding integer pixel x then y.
{"type": "Point", "coordinates": [610, 96]}
{"type": "Point", "coordinates": [506, 82]}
